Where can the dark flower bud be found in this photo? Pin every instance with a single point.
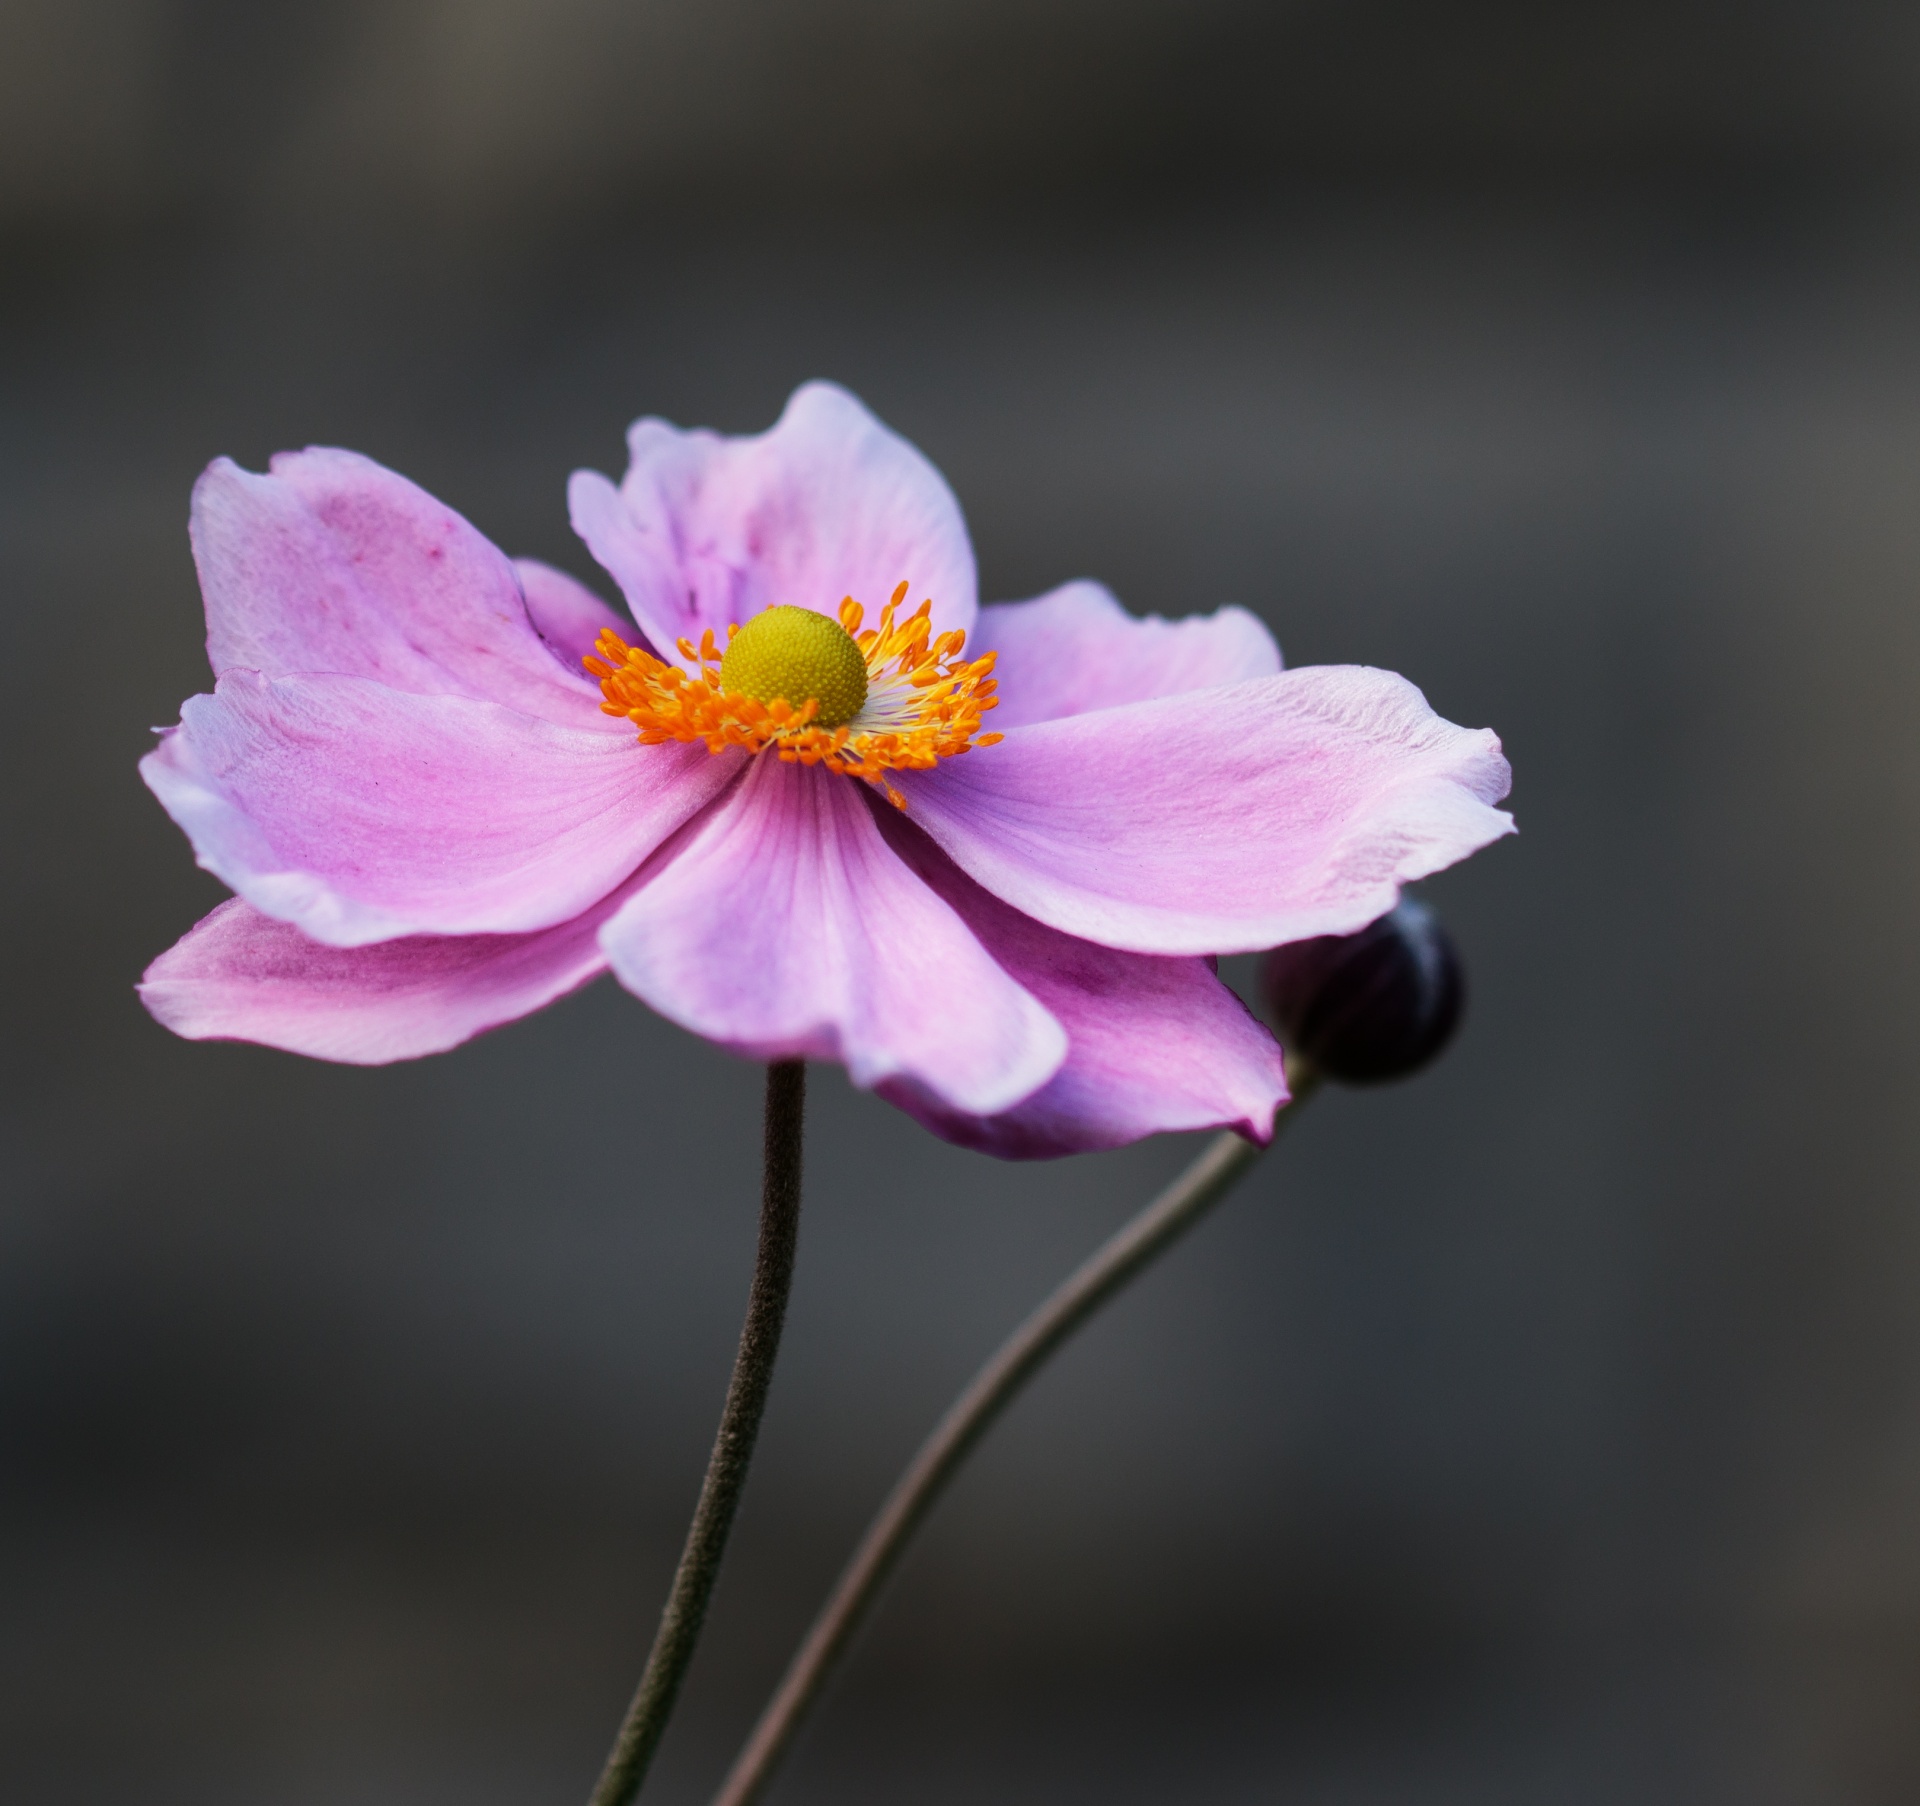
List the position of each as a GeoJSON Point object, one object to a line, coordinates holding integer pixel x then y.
{"type": "Point", "coordinates": [1372, 1006]}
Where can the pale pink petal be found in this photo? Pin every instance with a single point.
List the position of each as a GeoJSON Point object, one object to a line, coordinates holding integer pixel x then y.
{"type": "Point", "coordinates": [784, 926]}
{"type": "Point", "coordinates": [361, 814]}
{"type": "Point", "coordinates": [707, 531]}
{"type": "Point", "coordinates": [1153, 1044]}
{"type": "Point", "coordinates": [1223, 820]}
{"type": "Point", "coordinates": [1076, 649]}
{"type": "Point", "coordinates": [241, 976]}
{"type": "Point", "coordinates": [567, 615]}
{"type": "Point", "coordinates": [334, 564]}
{"type": "Point", "coordinates": [647, 566]}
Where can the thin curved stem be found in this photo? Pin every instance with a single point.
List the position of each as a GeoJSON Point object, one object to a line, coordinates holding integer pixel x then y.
{"type": "Point", "coordinates": [693, 1580]}
{"type": "Point", "coordinates": [1126, 1254]}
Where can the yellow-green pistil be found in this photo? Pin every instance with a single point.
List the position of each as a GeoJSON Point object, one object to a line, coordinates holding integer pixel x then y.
{"type": "Point", "coordinates": [801, 656]}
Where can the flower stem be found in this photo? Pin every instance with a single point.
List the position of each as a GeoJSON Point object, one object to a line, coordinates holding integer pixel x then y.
{"type": "Point", "coordinates": [1127, 1253]}
{"type": "Point", "coordinates": [686, 1606]}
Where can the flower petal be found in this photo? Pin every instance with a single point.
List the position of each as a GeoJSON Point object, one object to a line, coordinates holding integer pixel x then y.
{"type": "Point", "coordinates": [334, 564]}
{"type": "Point", "coordinates": [566, 614]}
{"type": "Point", "coordinates": [360, 813]}
{"type": "Point", "coordinates": [1076, 649]}
{"type": "Point", "coordinates": [707, 531]}
{"type": "Point", "coordinates": [1153, 1044]}
{"type": "Point", "coordinates": [646, 564]}
{"type": "Point", "coordinates": [1223, 820]}
{"type": "Point", "coordinates": [785, 927]}
{"type": "Point", "coordinates": [241, 976]}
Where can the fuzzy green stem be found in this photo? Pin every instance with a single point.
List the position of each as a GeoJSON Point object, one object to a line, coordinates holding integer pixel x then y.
{"type": "Point", "coordinates": [1122, 1258]}
{"type": "Point", "coordinates": [693, 1581]}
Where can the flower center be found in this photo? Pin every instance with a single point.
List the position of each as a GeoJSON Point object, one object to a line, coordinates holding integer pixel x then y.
{"type": "Point", "coordinates": [795, 655]}
{"type": "Point", "coordinates": [891, 698]}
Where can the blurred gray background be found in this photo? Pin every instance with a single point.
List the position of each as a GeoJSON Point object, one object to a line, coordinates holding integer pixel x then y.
{"type": "Point", "coordinates": [1547, 1429]}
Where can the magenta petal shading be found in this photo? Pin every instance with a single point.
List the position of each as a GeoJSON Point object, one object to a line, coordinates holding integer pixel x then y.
{"type": "Point", "coordinates": [334, 564]}
{"type": "Point", "coordinates": [361, 813]}
{"type": "Point", "coordinates": [785, 927]}
{"type": "Point", "coordinates": [1076, 649]}
{"type": "Point", "coordinates": [706, 531]}
{"type": "Point", "coordinates": [1153, 1044]}
{"type": "Point", "coordinates": [568, 616]}
{"type": "Point", "coordinates": [1223, 820]}
{"type": "Point", "coordinates": [241, 976]}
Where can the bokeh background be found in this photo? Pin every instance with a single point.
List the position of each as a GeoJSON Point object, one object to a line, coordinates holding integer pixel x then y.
{"type": "Point", "coordinates": [1545, 1429]}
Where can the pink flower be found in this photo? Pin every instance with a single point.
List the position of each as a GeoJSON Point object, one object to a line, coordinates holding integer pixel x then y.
{"type": "Point", "coordinates": [436, 819]}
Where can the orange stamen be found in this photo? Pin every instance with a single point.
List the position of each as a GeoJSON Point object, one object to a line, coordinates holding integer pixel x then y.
{"type": "Point", "coordinates": [924, 702]}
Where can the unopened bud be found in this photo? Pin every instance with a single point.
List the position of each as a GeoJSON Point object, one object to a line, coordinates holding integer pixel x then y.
{"type": "Point", "coordinates": [1372, 1006]}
